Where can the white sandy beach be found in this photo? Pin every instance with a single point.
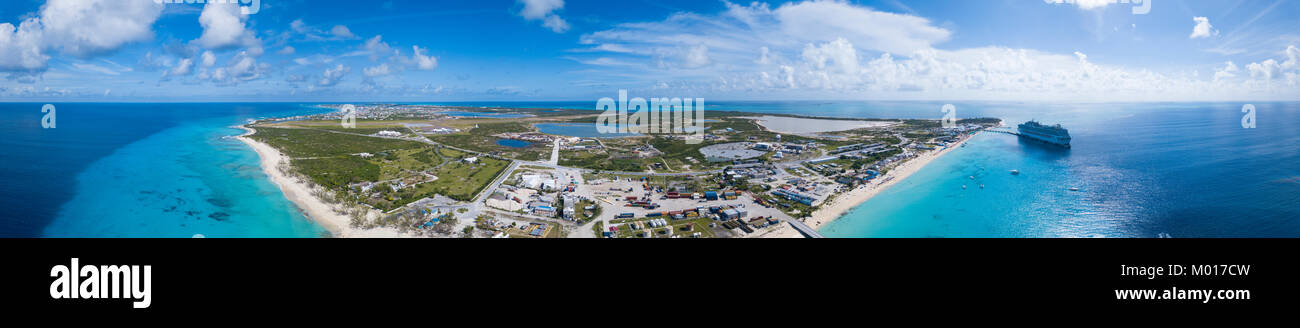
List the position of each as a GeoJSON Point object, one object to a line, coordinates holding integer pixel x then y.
{"type": "Point", "coordinates": [845, 202]}
{"type": "Point", "coordinates": [300, 194]}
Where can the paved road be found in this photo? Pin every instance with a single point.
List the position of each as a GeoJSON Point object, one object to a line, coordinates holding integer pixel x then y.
{"type": "Point", "coordinates": [555, 154]}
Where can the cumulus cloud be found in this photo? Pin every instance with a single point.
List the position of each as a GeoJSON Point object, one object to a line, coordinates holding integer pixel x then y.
{"type": "Point", "coordinates": [341, 31]}
{"type": "Point", "coordinates": [1203, 29]}
{"type": "Point", "coordinates": [308, 32]}
{"type": "Point", "coordinates": [875, 30]}
{"type": "Point", "coordinates": [740, 34]}
{"type": "Point", "coordinates": [208, 59]}
{"type": "Point", "coordinates": [422, 61]}
{"type": "Point", "coordinates": [697, 56]}
{"type": "Point", "coordinates": [544, 10]}
{"type": "Point", "coordinates": [1265, 70]}
{"type": "Point", "coordinates": [377, 71]}
{"type": "Point", "coordinates": [333, 75]}
{"type": "Point", "coordinates": [1293, 58]}
{"type": "Point", "coordinates": [21, 48]}
{"type": "Point", "coordinates": [1228, 71]}
{"type": "Point", "coordinates": [81, 28]}
{"type": "Point", "coordinates": [89, 27]}
{"type": "Point", "coordinates": [836, 48]}
{"type": "Point", "coordinates": [1092, 4]}
{"type": "Point", "coordinates": [243, 67]}
{"type": "Point", "coordinates": [182, 68]}
{"type": "Point", "coordinates": [377, 47]}
{"type": "Point", "coordinates": [223, 26]}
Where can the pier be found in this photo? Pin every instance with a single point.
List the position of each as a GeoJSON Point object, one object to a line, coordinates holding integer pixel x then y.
{"type": "Point", "coordinates": [805, 229]}
{"type": "Point", "coordinates": [1003, 130]}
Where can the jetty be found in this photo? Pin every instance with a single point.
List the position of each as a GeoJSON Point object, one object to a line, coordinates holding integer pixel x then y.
{"type": "Point", "coordinates": [805, 229]}
{"type": "Point", "coordinates": [1004, 130]}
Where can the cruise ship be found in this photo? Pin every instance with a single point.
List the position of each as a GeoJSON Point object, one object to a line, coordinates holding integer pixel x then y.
{"type": "Point", "coordinates": [1052, 134]}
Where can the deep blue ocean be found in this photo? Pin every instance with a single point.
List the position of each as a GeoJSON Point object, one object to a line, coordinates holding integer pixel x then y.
{"type": "Point", "coordinates": [1183, 169]}
{"type": "Point", "coordinates": [140, 170]}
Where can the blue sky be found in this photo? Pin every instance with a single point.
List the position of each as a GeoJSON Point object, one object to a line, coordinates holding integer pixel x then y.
{"type": "Point", "coordinates": [1085, 50]}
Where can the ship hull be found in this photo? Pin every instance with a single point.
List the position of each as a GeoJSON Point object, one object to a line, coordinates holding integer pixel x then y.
{"type": "Point", "coordinates": [1050, 142]}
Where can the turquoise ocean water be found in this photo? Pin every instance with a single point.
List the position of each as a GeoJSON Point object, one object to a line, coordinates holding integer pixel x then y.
{"type": "Point", "coordinates": [145, 170]}
{"type": "Point", "coordinates": [1183, 169]}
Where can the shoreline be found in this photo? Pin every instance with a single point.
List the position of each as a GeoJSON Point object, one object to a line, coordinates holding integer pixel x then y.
{"type": "Point", "coordinates": [300, 194]}
{"type": "Point", "coordinates": [847, 201]}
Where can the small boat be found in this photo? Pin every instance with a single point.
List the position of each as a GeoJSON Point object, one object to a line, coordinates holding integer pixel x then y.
{"type": "Point", "coordinates": [972, 177]}
{"type": "Point", "coordinates": [1015, 172]}
{"type": "Point", "coordinates": [981, 186]}
{"type": "Point", "coordinates": [1074, 189]}
{"type": "Point", "coordinates": [1164, 235]}
{"type": "Point", "coordinates": [963, 187]}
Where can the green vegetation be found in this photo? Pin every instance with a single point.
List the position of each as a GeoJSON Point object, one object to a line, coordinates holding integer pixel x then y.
{"type": "Point", "coordinates": [297, 142]}
{"type": "Point", "coordinates": [337, 172]}
{"type": "Point", "coordinates": [598, 161]}
{"type": "Point", "coordinates": [403, 171]}
{"type": "Point", "coordinates": [482, 139]}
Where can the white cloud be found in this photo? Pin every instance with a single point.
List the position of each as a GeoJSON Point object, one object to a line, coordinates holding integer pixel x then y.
{"type": "Point", "coordinates": [376, 71]}
{"type": "Point", "coordinates": [89, 27]}
{"type": "Point", "coordinates": [313, 33]}
{"type": "Point", "coordinates": [740, 34]}
{"type": "Point", "coordinates": [544, 10]}
{"type": "Point", "coordinates": [1092, 4]}
{"type": "Point", "coordinates": [1228, 72]}
{"type": "Point", "coordinates": [332, 76]}
{"type": "Point", "coordinates": [341, 31]}
{"type": "Point", "coordinates": [208, 59]}
{"type": "Point", "coordinates": [287, 50]}
{"type": "Point", "coordinates": [1266, 69]}
{"type": "Point", "coordinates": [697, 56]}
{"type": "Point", "coordinates": [1292, 58]}
{"type": "Point", "coordinates": [81, 28]}
{"type": "Point", "coordinates": [20, 47]}
{"type": "Point", "coordinates": [182, 68]}
{"type": "Point", "coordinates": [377, 47]}
{"type": "Point", "coordinates": [423, 62]}
{"type": "Point", "coordinates": [1203, 29]}
{"type": "Point", "coordinates": [94, 69]}
{"type": "Point", "coordinates": [870, 29]}
{"type": "Point", "coordinates": [223, 26]}
{"type": "Point", "coordinates": [556, 24]}
{"type": "Point", "coordinates": [835, 49]}
{"type": "Point", "coordinates": [299, 26]}
{"type": "Point", "coordinates": [242, 68]}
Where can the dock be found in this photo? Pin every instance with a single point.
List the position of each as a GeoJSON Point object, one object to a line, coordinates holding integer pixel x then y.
{"type": "Point", "coordinates": [1003, 130]}
{"type": "Point", "coordinates": [805, 229]}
